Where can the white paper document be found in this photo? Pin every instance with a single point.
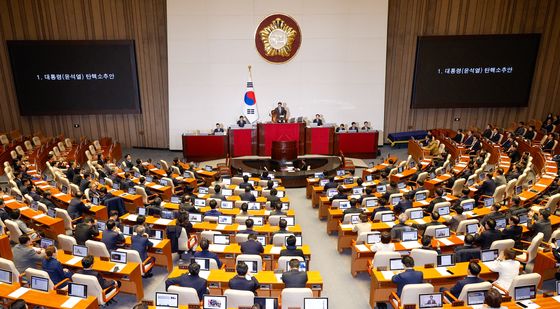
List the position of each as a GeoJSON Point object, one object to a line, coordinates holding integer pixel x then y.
{"type": "Point", "coordinates": [217, 248]}
{"type": "Point", "coordinates": [132, 217]}
{"type": "Point", "coordinates": [17, 293]}
{"type": "Point", "coordinates": [446, 241]}
{"type": "Point", "coordinates": [275, 250]}
{"type": "Point", "coordinates": [387, 274]}
{"type": "Point", "coordinates": [443, 271]}
{"type": "Point", "coordinates": [161, 221]}
{"type": "Point", "coordinates": [362, 248]}
{"type": "Point", "coordinates": [220, 227]}
{"type": "Point", "coordinates": [74, 260]}
{"type": "Point", "coordinates": [204, 274]}
{"type": "Point", "coordinates": [71, 302]}
{"type": "Point", "coordinates": [411, 244]}
{"type": "Point", "coordinates": [39, 216]}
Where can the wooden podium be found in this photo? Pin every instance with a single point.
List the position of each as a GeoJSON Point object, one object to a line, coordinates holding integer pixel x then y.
{"type": "Point", "coordinates": [284, 150]}
{"type": "Point", "coordinates": [269, 132]}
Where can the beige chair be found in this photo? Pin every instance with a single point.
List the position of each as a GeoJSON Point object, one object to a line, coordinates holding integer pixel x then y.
{"type": "Point", "coordinates": [68, 143]}
{"type": "Point", "coordinates": [379, 214]}
{"type": "Point", "coordinates": [528, 256]}
{"type": "Point", "coordinates": [108, 182]}
{"type": "Point", "coordinates": [28, 145]}
{"type": "Point", "coordinates": [431, 230]}
{"type": "Point", "coordinates": [457, 188]}
{"type": "Point", "coordinates": [66, 243]}
{"type": "Point", "coordinates": [423, 257]}
{"type": "Point", "coordinates": [294, 297]}
{"type": "Point", "coordinates": [74, 188]}
{"type": "Point", "coordinates": [336, 203]}
{"type": "Point", "coordinates": [500, 194]}
{"type": "Point", "coordinates": [555, 234]}
{"type": "Point", "coordinates": [283, 260]}
{"type": "Point", "coordinates": [552, 202]}
{"type": "Point", "coordinates": [94, 289]}
{"type": "Point", "coordinates": [462, 228]}
{"type": "Point", "coordinates": [175, 170]}
{"type": "Point", "coordinates": [366, 199]}
{"type": "Point", "coordinates": [238, 298]}
{"type": "Point", "coordinates": [382, 259]}
{"type": "Point", "coordinates": [142, 192]}
{"type": "Point", "coordinates": [422, 176]}
{"type": "Point", "coordinates": [4, 139]}
{"type": "Point", "coordinates": [347, 219]}
{"type": "Point", "coordinates": [187, 296]}
{"type": "Point", "coordinates": [520, 280]}
{"type": "Point", "coordinates": [394, 196]}
{"type": "Point", "coordinates": [134, 256]}
{"type": "Point", "coordinates": [482, 286]}
{"type": "Point", "coordinates": [279, 240]}
{"type": "Point", "coordinates": [182, 241]}
{"type": "Point", "coordinates": [510, 188]}
{"type": "Point", "coordinates": [164, 165]}
{"type": "Point", "coordinates": [97, 248]}
{"type": "Point", "coordinates": [69, 224]}
{"type": "Point", "coordinates": [9, 265]}
{"type": "Point", "coordinates": [209, 235]}
{"type": "Point", "coordinates": [242, 237]}
{"type": "Point", "coordinates": [502, 244]}
{"type": "Point", "coordinates": [410, 294]}
{"type": "Point", "coordinates": [275, 219]}
{"type": "Point", "coordinates": [14, 230]}
{"type": "Point", "coordinates": [97, 145]}
{"type": "Point", "coordinates": [174, 190]}
{"type": "Point", "coordinates": [250, 258]}
{"type": "Point", "coordinates": [36, 141]}
{"type": "Point", "coordinates": [43, 274]}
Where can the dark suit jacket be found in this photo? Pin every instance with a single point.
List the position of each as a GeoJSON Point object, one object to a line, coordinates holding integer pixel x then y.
{"type": "Point", "coordinates": [292, 252]}
{"type": "Point", "coordinates": [141, 244]}
{"type": "Point", "coordinates": [458, 287]}
{"type": "Point", "coordinates": [330, 185]}
{"type": "Point", "coordinates": [486, 239]}
{"type": "Point", "coordinates": [513, 232]}
{"type": "Point", "coordinates": [468, 140]}
{"type": "Point", "coordinates": [111, 239]}
{"type": "Point", "coordinates": [247, 196]}
{"type": "Point", "coordinates": [55, 270]}
{"type": "Point", "coordinates": [433, 203]}
{"type": "Point", "coordinates": [84, 184]}
{"type": "Point", "coordinates": [76, 208]}
{"type": "Point", "coordinates": [542, 226]}
{"type": "Point", "coordinates": [189, 281]}
{"type": "Point", "coordinates": [102, 282]}
{"type": "Point", "coordinates": [466, 253]}
{"type": "Point", "coordinates": [402, 206]}
{"type": "Point", "coordinates": [487, 187]}
{"type": "Point", "coordinates": [338, 196]}
{"type": "Point", "coordinates": [84, 232]}
{"type": "Point", "coordinates": [208, 255]}
{"type": "Point", "coordinates": [251, 247]}
{"type": "Point", "coordinates": [240, 283]}
{"type": "Point", "coordinates": [378, 209]}
{"type": "Point", "coordinates": [294, 279]}
{"type": "Point", "coordinates": [352, 210]}
{"type": "Point", "coordinates": [409, 276]}
{"type": "Point", "coordinates": [458, 137]}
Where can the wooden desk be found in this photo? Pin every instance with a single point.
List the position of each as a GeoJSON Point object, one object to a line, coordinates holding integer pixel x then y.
{"type": "Point", "coordinates": [358, 145]}
{"type": "Point", "coordinates": [319, 140]}
{"type": "Point", "coordinates": [270, 285]}
{"type": "Point", "coordinates": [5, 248]}
{"type": "Point", "coordinates": [234, 228]}
{"type": "Point", "coordinates": [44, 299]}
{"type": "Point", "coordinates": [158, 223]}
{"type": "Point", "coordinates": [205, 147]}
{"type": "Point", "coordinates": [40, 221]}
{"type": "Point", "coordinates": [268, 132]}
{"type": "Point", "coordinates": [129, 275]}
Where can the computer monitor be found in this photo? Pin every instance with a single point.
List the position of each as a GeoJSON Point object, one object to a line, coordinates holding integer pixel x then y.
{"type": "Point", "coordinates": [410, 235]}
{"type": "Point", "coordinates": [78, 250]}
{"type": "Point", "coordinates": [302, 266]}
{"type": "Point", "coordinates": [257, 221]}
{"type": "Point", "coordinates": [371, 202]}
{"type": "Point", "coordinates": [227, 192]}
{"type": "Point", "coordinates": [226, 181]}
{"type": "Point", "coordinates": [432, 300]}
{"type": "Point", "coordinates": [163, 182]}
{"type": "Point", "coordinates": [412, 164]}
{"type": "Point", "coordinates": [501, 223]}
{"type": "Point", "coordinates": [5, 276]}
{"type": "Point", "coordinates": [291, 221]}
{"type": "Point", "coordinates": [220, 239]}
{"type": "Point", "coordinates": [468, 206]}
{"type": "Point", "coordinates": [558, 287]}
{"type": "Point", "coordinates": [396, 264]}
{"type": "Point", "coordinates": [400, 169]}
{"type": "Point", "coordinates": [255, 193]}
{"type": "Point", "coordinates": [51, 212]}
{"type": "Point", "coordinates": [101, 225]}
{"type": "Point", "coordinates": [208, 168]}
{"type": "Point", "coordinates": [127, 230]}
{"type": "Point", "coordinates": [203, 190]}
{"type": "Point", "coordinates": [401, 185]}
{"type": "Point", "coordinates": [323, 182]}
{"type": "Point", "coordinates": [443, 210]}
{"type": "Point", "coordinates": [355, 219]}
{"type": "Point", "coordinates": [156, 234]}
{"type": "Point", "coordinates": [149, 179]}
{"type": "Point", "coordinates": [481, 176]}
{"type": "Point", "coordinates": [523, 218]}
{"type": "Point", "coordinates": [470, 181]}
{"type": "Point", "coordinates": [45, 242]}
{"type": "Point", "coordinates": [518, 190]}
{"type": "Point", "coordinates": [285, 206]}
{"type": "Point", "coordinates": [489, 255]}
{"type": "Point", "coordinates": [530, 182]}
{"type": "Point", "coordinates": [175, 199]}
{"type": "Point", "coordinates": [432, 175]}
{"type": "Point", "coordinates": [141, 211]}
{"type": "Point", "coordinates": [416, 214]}
{"type": "Point", "coordinates": [387, 217]}
{"type": "Point", "coordinates": [525, 292]}
{"type": "Point", "coordinates": [251, 182]}
{"type": "Point", "coordinates": [381, 188]}
{"type": "Point", "coordinates": [344, 205]}
{"type": "Point", "coordinates": [95, 200]}
{"type": "Point", "coordinates": [118, 257]}
{"type": "Point", "coordinates": [442, 232]}
{"type": "Point", "coordinates": [348, 181]}
{"type": "Point", "coordinates": [252, 266]}
{"type": "Point", "coordinates": [116, 186]}
{"type": "Point", "coordinates": [262, 240]}
{"type": "Point", "coordinates": [199, 202]}
{"type": "Point", "coordinates": [77, 290]}
{"type": "Point", "coordinates": [316, 303]}
{"type": "Point", "coordinates": [489, 201]}
{"type": "Point", "coordinates": [34, 205]}
{"type": "Point", "coordinates": [39, 283]}
{"type": "Point", "coordinates": [369, 178]}
{"type": "Point", "coordinates": [358, 190]}
{"type": "Point", "coordinates": [475, 297]}
{"type": "Point", "coordinates": [204, 263]}
{"type": "Point", "coordinates": [331, 192]}
{"type": "Point", "coordinates": [167, 214]}
{"type": "Point", "coordinates": [254, 206]}
{"type": "Point", "coordinates": [131, 191]}
{"type": "Point", "coordinates": [214, 302]}
{"type": "Point", "coordinates": [195, 218]}
{"type": "Point", "coordinates": [168, 300]}
{"type": "Point", "coordinates": [318, 175]}
{"type": "Point", "coordinates": [281, 193]}
{"type": "Point", "coordinates": [340, 172]}
{"type": "Point", "coordinates": [299, 240]}
{"type": "Point", "coordinates": [225, 219]}
{"type": "Point", "coordinates": [472, 228]}
{"type": "Point", "coordinates": [395, 200]}
{"type": "Point", "coordinates": [267, 302]}
{"type": "Point", "coordinates": [373, 238]}
{"type": "Point", "coordinates": [445, 260]}
{"type": "Point", "coordinates": [420, 196]}
{"type": "Point", "coordinates": [226, 205]}
{"type": "Point", "coordinates": [64, 189]}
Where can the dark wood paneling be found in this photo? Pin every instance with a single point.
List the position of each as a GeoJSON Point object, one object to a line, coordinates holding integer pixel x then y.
{"type": "Point", "coordinates": [411, 18]}
{"type": "Point", "coordinates": [141, 20]}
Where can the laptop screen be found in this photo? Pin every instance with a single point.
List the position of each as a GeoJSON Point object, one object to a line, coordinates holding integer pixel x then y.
{"type": "Point", "coordinates": [226, 205]}
{"type": "Point", "coordinates": [5, 276]}
{"type": "Point", "coordinates": [358, 190]}
{"type": "Point", "coordinates": [203, 190]}
{"type": "Point", "coordinates": [442, 232]}
{"type": "Point", "coordinates": [318, 175]}
{"type": "Point", "coordinates": [175, 200]}
{"type": "Point", "coordinates": [396, 264]}
{"type": "Point", "coordinates": [45, 242]}
{"type": "Point", "coordinates": [475, 297]}
{"type": "Point", "coordinates": [195, 218]}
{"type": "Point", "coordinates": [323, 182]}
{"type": "Point", "coordinates": [433, 300]}
{"type": "Point", "coordinates": [344, 205]}
{"type": "Point", "coordinates": [416, 214]}
{"type": "Point", "coordinates": [169, 300]}
{"type": "Point", "coordinates": [252, 266]}
{"type": "Point", "coordinates": [472, 228]}
{"type": "Point", "coordinates": [525, 292]}
{"type": "Point", "coordinates": [225, 219]}
{"type": "Point", "coordinates": [369, 178]}
{"type": "Point", "coordinates": [443, 210]}
{"type": "Point", "coordinates": [331, 192]}
{"type": "Point", "coordinates": [420, 196]}
{"type": "Point", "coordinates": [257, 221]}
{"type": "Point", "coordinates": [204, 263]}
{"type": "Point", "coordinates": [371, 203]}
{"type": "Point", "coordinates": [266, 302]}
{"type": "Point", "coordinates": [285, 206]}
{"type": "Point", "coordinates": [381, 189]}
{"type": "Point", "coordinates": [254, 206]}
{"type": "Point", "coordinates": [523, 218]}
{"type": "Point", "coordinates": [445, 260]}
{"type": "Point", "coordinates": [316, 303]}
{"type": "Point", "coordinates": [95, 200]}
{"type": "Point", "coordinates": [141, 211]}
{"type": "Point", "coordinates": [468, 206]}
{"type": "Point", "coordinates": [227, 192]}
{"type": "Point", "coordinates": [131, 191]}
{"type": "Point", "coordinates": [354, 219]}
{"type": "Point", "coordinates": [558, 287]}
{"type": "Point", "coordinates": [226, 181]}
{"type": "Point", "coordinates": [156, 234]}
{"type": "Point", "coordinates": [395, 200]}
{"type": "Point", "coordinates": [167, 214]}
{"type": "Point", "coordinates": [291, 221]}
{"type": "Point", "coordinates": [387, 217]}
{"type": "Point", "coordinates": [77, 290]}
{"type": "Point", "coordinates": [199, 202]}
{"type": "Point", "coordinates": [262, 240]}
{"type": "Point", "coordinates": [488, 202]}
{"type": "Point", "coordinates": [40, 284]}
{"type": "Point", "coordinates": [101, 225]}
{"type": "Point", "coordinates": [501, 223]}
{"type": "Point", "coordinates": [127, 230]}
{"type": "Point", "coordinates": [78, 250]}
{"type": "Point", "coordinates": [340, 173]}
{"type": "Point", "coordinates": [214, 302]}
{"type": "Point", "coordinates": [410, 235]}
{"type": "Point", "coordinates": [373, 238]}
{"type": "Point", "coordinates": [489, 255]}
{"type": "Point", "coordinates": [118, 257]}
{"type": "Point", "coordinates": [220, 239]}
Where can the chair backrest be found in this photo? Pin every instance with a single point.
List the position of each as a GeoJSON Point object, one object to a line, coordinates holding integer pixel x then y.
{"type": "Point", "coordinates": [521, 179]}
{"type": "Point", "coordinates": [393, 196]}
{"type": "Point", "coordinates": [411, 293]}
{"type": "Point", "coordinates": [242, 237]}
{"type": "Point", "coordinates": [238, 298]}
{"type": "Point", "coordinates": [500, 194]}
{"type": "Point", "coordinates": [366, 199]}
{"type": "Point", "coordinates": [108, 182]}
{"type": "Point", "coordinates": [294, 297]}
{"type": "Point", "coordinates": [169, 183]}
{"type": "Point", "coordinates": [140, 191]}
{"type": "Point", "coordinates": [68, 142]}
{"type": "Point", "coordinates": [502, 244]}
{"type": "Point", "coordinates": [462, 227]}
{"type": "Point", "coordinates": [250, 258]}
{"type": "Point", "coordinates": [92, 149]}
{"type": "Point", "coordinates": [134, 257]}
{"type": "Point", "coordinates": [472, 287]}
{"type": "Point", "coordinates": [278, 240]}
{"type": "Point", "coordinates": [510, 188]}
{"type": "Point", "coordinates": [175, 170]}
{"type": "Point", "coordinates": [66, 243]}
{"type": "Point", "coordinates": [28, 145]}
{"type": "Point", "coordinates": [283, 260]}
{"type": "Point", "coordinates": [63, 214]}
{"type": "Point", "coordinates": [20, 151]}
{"type": "Point", "coordinates": [422, 256]}
{"type": "Point", "coordinates": [97, 145]}
{"type": "Point", "coordinates": [275, 219]}
{"type": "Point", "coordinates": [183, 239]}
{"type": "Point", "coordinates": [93, 287]}
{"type": "Point", "coordinates": [555, 234]}
{"type": "Point", "coordinates": [524, 280]}
{"type": "Point", "coordinates": [39, 273]}
{"type": "Point", "coordinates": [458, 186]}
{"type": "Point", "coordinates": [441, 204]}
{"type": "Point", "coordinates": [61, 146]}
{"type": "Point", "coordinates": [347, 219]}
{"type": "Point", "coordinates": [209, 235]}
{"type": "Point", "coordinates": [552, 202]}
{"type": "Point", "coordinates": [74, 188]}
{"type": "Point", "coordinates": [381, 259]}
{"type": "Point", "coordinates": [36, 141]}
{"type": "Point", "coordinates": [422, 176]}
{"type": "Point", "coordinates": [10, 266]}
{"type": "Point", "coordinates": [431, 230]}
{"type": "Point", "coordinates": [97, 248]}
{"type": "Point", "coordinates": [187, 296]}
{"type": "Point", "coordinates": [392, 172]}
{"type": "Point", "coordinates": [533, 248]}
{"type": "Point", "coordinates": [164, 164]}
{"type": "Point", "coordinates": [379, 214]}
{"type": "Point", "coordinates": [88, 155]}
{"type": "Point", "coordinates": [15, 232]}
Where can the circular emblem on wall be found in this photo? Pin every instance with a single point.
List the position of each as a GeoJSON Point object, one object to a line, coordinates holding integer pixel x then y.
{"type": "Point", "coordinates": [278, 38]}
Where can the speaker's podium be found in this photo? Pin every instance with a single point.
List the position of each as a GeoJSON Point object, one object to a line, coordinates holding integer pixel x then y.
{"type": "Point", "coordinates": [269, 132]}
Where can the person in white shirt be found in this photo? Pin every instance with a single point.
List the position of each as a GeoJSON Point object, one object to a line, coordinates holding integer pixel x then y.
{"type": "Point", "coordinates": [362, 227]}
{"type": "Point", "coordinates": [384, 245]}
{"type": "Point", "coordinates": [507, 268]}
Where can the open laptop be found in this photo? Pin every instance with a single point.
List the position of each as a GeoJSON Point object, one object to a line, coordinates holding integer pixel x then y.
{"type": "Point", "coordinates": [175, 199]}
{"type": "Point", "coordinates": [204, 263]}
{"type": "Point", "coordinates": [442, 232]}
{"type": "Point", "coordinates": [291, 221]}
{"type": "Point", "coordinates": [78, 250]}
{"type": "Point", "coordinates": [39, 284]}
{"type": "Point", "coordinates": [118, 257]}
{"type": "Point", "coordinates": [468, 206]}
{"type": "Point", "coordinates": [475, 297]}
{"type": "Point", "coordinates": [77, 290]}
{"type": "Point", "coordinates": [316, 303]}
{"type": "Point", "coordinates": [344, 205]}
{"type": "Point", "coordinates": [225, 219]}
{"type": "Point", "coordinates": [5, 276]}
{"type": "Point", "coordinates": [220, 239]}
{"type": "Point", "coordinates": [267, 302]}
{"type": "Point", "coordinates": [381, 188]}
{"type": "Point", "coordinates": [101, 225]}
{"type": "Point", "coordinates": [525, 292]}
{"type": "Point", "coordinates": [443, 210]}
{"type": "Point", "coordinates": [387, 217]}
{"type": "Point", "coordinates": [203, 190]}
{"type": "Point", "coordinates": [45, 242]}
{"type": "Point", "coordinates": [420, 196]}
{"type": "Point", "coordinates": [501, 223]}
{"type": "Point", "coordinates": [262, 240]}
{"type": "Point", "coordinates": [410, 236]}
{"type": "Point", "coordinates": [252, 266]}
{"type": "Point", "coordinates": [445, 260]}
{"type": "Point", "coordinates": [167, 300]}
{"type": "Point", "coordinates": [253, 206]}
{"type": "Point", "coordinates": [373, 238]}
{"type": "Point", "coordinates": [226, 205]}
{"type": "Point", "coordinates": [432, 300]}
{"type": "Point", "coordinates": [214, 302]}
{"type": "Point", "coordinates": [471, 228]}
{"type": "Point", "coordinates": [127, 230]}
{"type": "Point", "coordinates": [156, 234]}
{"type": "Point", "coordinates": [195, 218]}
{"type": "Point", "coordinates": [257, 221]}
{"type": "Point", "coordinates": [489, 255]}
{"type": "Point", "coordinates": [416, 214]}
{"type": "Point", "coordinates": [199, 202]}
{"type": "Point", "coordinates": [167, 214]}
{"type": "Point", "coordinates": [371, 203]}
{"type": "Point", "coordinates": [396, 264]}
{"type": "Point", "coordinates": [489, 201]}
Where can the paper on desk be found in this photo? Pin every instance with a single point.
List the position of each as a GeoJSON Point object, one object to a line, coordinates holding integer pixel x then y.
{"type": "Point", "coordinates": [275, 250]}
{"type": "Point", "coordinates": [556, 298]}
{"type": "Point", "coordinates": [17, 293]}
{"type": "Point", "coordinates": [468, 213]}
{"type": "Point", "coordinates": [161, 221]}
{"type": "Point", "coordinates": [267, 212]}
{"type": "Point", "coordinates": [529, 304]}
{"type": "Point", "coordinates": [541, 185]}
{"type": "Point", "coordinates": [461, 237]}
{"type": "Point", "coordinates": [44, 187]}
{"type": "Point", "coordinates": [74, 260]}
{"type": "Point", "coordinates": [387, 274]}
{"type": "Point", "coordinates": [220, 227]}
{"type": "Point", "coordinates": [424, 202]}
{"type": "Point", "coordinates": [217, 248]}
{"type": "Point", "coordinates": [362, 248]}
{"type": "Point", "coordinates": [278, 277]}
{"type": "Point", "coordinates": [5, 196]}
{"type": "Point", "coordinates": [447, 198]}
{"type": "Point", "coordinates": [204, 274]}
{"type": "Point", "coordinates": [155, 242]}
{"type": "Point", "coordinates": [420, 221]}
{"type": "Point", "coordinates": [59, 194]}
{"type": "Point", "coordinates": [153, 169]}
{"type": "Point", "coordinates": [399, 175]}
{"type": "Point", "coordinates": [132, 217]}
{"type": "Point", "coordinates": [346, 226]}
{"type": "Point", "coordinates": [39, 216]}
{"type": "Point", "coordinates": [23, 208]}
{"type": "Point", "coordinates": [443, 271]}
{"type": "Point", "coordinates": [446, 241]}
{"type": "Point", "coordinates": [390, 224]}
{"type": "Point", "coordinates": [411, 244]}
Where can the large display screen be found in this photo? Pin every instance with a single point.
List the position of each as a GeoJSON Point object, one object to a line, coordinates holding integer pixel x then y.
{"type": "Point", "coordinates": [474, 70]}
{"type": "Point", "coordinates": [75, 77]}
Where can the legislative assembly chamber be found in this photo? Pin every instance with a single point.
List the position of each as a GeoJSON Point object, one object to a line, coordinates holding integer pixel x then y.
{"type": "Point", "coordinates": [298, 154]}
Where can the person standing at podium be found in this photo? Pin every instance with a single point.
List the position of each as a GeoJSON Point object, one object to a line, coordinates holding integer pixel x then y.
{"type": "Point", "coordinates": [242, 121]}
{"type": "Point", "coordinates": [218, 129]}
{"type": "Point", "coordinates": [318, 121]}
{"type": "Point", "coordinates": [281, 112]}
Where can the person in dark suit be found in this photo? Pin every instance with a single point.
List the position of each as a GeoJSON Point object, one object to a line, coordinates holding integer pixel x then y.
{"type": "Point", "coordinates": [46, 199]}
{"type": "Point", "coordinates": [494, 214]}
{"type": "Point", "coordinates": [252, 246]}
{"type": "Point", "coordinates": [540, 223]}
{"type": "Point", "coordinates": [340, 195]}
{"type": "Point", "coordinates": [241, 282]}
{"type": "Point", "coordinates": [140, 242]}
{"type": "Point", "coordinates": [281, 112]}
{"type": "Point", "coordinates": [330, 185]}
{"type": "Point", "coordinates": [87, 230]}
{"type": "Point", "coordinates": [487, 187]}
{"type": "Point", "coordinates": [391, 189]}
{"type": "Point", "coordinates": [408, 276]}
{"type": "Point", "coordinates": [515, 208]}
{"type": "Point", "coordinates": [54, 268]}
{"type": "Point", "coordinates": [469, 139]}
{"type": "Point", "coordinates": [247, 196]}
{"type": "Point", "coordinates": [143, 170]}
{"type": "Point", "coordinates": [495, 136]}
{"type": "Point", "coordinates": [382, 207]}
{"type": "Point", "coordinates": [87, 263]}
{"type": "Point", "coordinates": [487, 131]}
{"type": "Point", "coordinates": [437, 199]}
{"type": "Point", "coordinates": [218, 129]}
{"type": "Point", "coordinates": [513, 231]}
{"type": "Point", "coordinates": [353, 209]}
{"type": "Point", "coordinates": [520, 130]}
{"type": "Point", "coordinates": [190, 280]}
{"type": "Point", "coordinates": [77, 208]}
{"type": "Point", "coordinates": [104, 196]}
{"type": "Point", "coordinates": [458, 138]}
{"type": "Point", "coordinates": [291, 249]}
{"type": "Point", "coordinates": [72, 170]}
{"type": "Point", "coordinates": [530, 134]}
{"type": "Point", "coordinates": [241, 122]}
{"type": "Point", "coordinates": [245, 183]}
{"type": "Point", "coordinates": [217, 193]}
{"type": "Point", "coordinates": [84, 184]}
{"type": "Point", "coordinates": [249, 227]}
{"type": "Point", "coordinates": [468, 251]}
{"type": "Point", "coordinates": [273, 198]}
{"type": "Point", "coordinates": [142, 183]}
{"type": "Point", "coordinates": [112, 236]}
{"type": "Point", "coordinates": [318, 120]}
{"type": "Point", "coordinates": [213, 212]}
{"type": "Point", "coordinates": [476, 146]}
{"type": "Point", "coordinates": [514, 154]}
{"type": "Point", "coordinates": [472, 277]}
{"type": "Point", "coordinates": [404, 204]}
{"type": "Point", "coordinates": [294, 278]}
{"type": "Point", "coordinates": [205, 254]}
{"type": "Point", "coordinates": [487, 234]}
{"type": "Point", "coordinates": [549, 143]}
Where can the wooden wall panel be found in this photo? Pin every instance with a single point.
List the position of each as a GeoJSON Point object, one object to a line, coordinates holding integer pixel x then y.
{"type": "Point", "coordinates": [409, 19]}
{"type": "Point", "coordinates": [141, 20]}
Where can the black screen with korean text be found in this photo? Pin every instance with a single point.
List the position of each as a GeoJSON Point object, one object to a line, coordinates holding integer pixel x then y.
{"type": "Point", "coordinates": [474, 71]}
{"type": "Point", "coordinates": [75, 77]}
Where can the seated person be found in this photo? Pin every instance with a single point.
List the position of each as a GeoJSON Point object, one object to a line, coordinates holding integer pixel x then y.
{"type": "Point", "coordinates": [76, 207]}
{"type": "Point", "coordinates": [252, 246]}
{"type": "Point", "coordinates": [241, 122]}
{"type": "Point", "coordinates": [487, 234]}
{"type": "Point", "coordinates": [142, 183]}
{"type": "Point", "coordinates": [213, 212]}
{"type": "Point", "coordinates": [87, 264]}
{"type": "Point", "coordinates": [507, 268]}
{"type": "Point", "coordinates": [353, 127]}
{"type": "Point", "coordinates": [404, 204]}
{"type": "Point", "coordinates": [468, 251]}
{"type": "Point", "coordinates": [330, 185]}
{"type": "Point", "coordinates": [353, 209]}
{"type": "Point", "coordinates": [54, 268]}
{"type": "Point", "coordinates": [190, 280]}
{"type": "Point", "coordinates": [248, 227]}
{"type": "Point", "coordinates": [25, 256]}
{"type": "Point", "coordinates": [382, 207]}
{"type": "Point", "coordinates": [472, 277]}
{"type": "Point", "coordinates": [273, 198]}
{"type": "Point", "coordinates": [540, 223]}
{"type": "Point", "coordinates": [427, 244]}
{"type": "Point", "coordinates": [16, 217]}
{"type": "Point", "coordinates": [341, 128]}
{"type": "Point", "coordinates": [363, 226]}
{"type": "Point", "coordinates": [408, 276]}
{"type": "Point", "coordinates": [385, 244]}
{"type": "Point", "coordinates": [453, 223]}
{"type": "Point", "coordinates": [493, 299]}
{"type": "Point", "coordinates": [291, 249]}
{"type": "Point", "coordinates": [114, 215]}
{"type": "Point", "coordinates": [513, 231]}
{"type": "Point", "coordinates": [141, 243]}
{"type": "Point", "coordinates": [318, 121]}
{"type": "Point", "coordinates": [294, 278]}
{"type": "Point", "coordinates": [437, 199]}
{"type": "Point", "coordinates": [218, 129]}
{"type": "Point", "coordinates": [19, 304]}
{"type": "Point", "coordinates": [217, 193]}
{"type": "Point", "coordinates": [154, 208]}
{"type": "Point", "coordinates": [87, 230]}
{"type": "Point", "coordinates": [247, 195]}
{"type": "Point", "coordinates": [242, 281]}
{"type": "Point", "coordinates": [141, 221]}
{"type": "Point", "coordinates": [392, 188]}
{"type": "Point", "coordinates": [112, 236]}
{"type": "Point", "coordinates": [340, 195]}
{"type": "Point", "coordinates": [366, 127]}
{"type": "Point", "coordinates": [283, 228]}
{"type": "Point", "coordinates": [276, 209]}
{"type": "Point", "coordinates": [205, 254]}
{"type": "Point", "coordinates": [397, 229]}
{"type": "Point", "coordinates": [245, 183]}
{"type": "Point", "coordinates": [494, 214]}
